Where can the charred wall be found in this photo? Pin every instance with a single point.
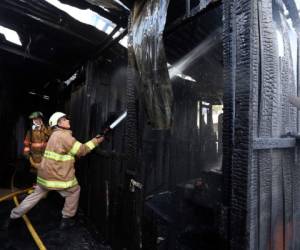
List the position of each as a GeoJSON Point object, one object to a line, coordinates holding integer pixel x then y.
{"type": "Point", "coordinates": [94, 101]}
{"type": "Point", "coordinates": [16, 105]}
{"type": "Point", "coordinates": [164, 161]}
{"type": "Point", "coordinates": [18, 100]}
{"type": "Point", "coordinates": [8, 118]}
{"type": "Point", "coordinates": [260, 171]}
{"type": "Point", "coordinates": [180, 167]}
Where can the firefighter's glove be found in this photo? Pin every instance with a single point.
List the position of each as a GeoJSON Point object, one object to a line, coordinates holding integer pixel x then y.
{"type": "Point", "coordinates": [99, 138]}
{"type": "Point", "coordinates": [106, 133]}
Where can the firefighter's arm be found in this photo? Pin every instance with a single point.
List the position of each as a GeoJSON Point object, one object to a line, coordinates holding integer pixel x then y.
{"type": "Point", "coordinates": [26, 149]}
{"type": "Point", "coordinates": [76, 148]}
{"type": "Point", "coordinates": [34, 164]}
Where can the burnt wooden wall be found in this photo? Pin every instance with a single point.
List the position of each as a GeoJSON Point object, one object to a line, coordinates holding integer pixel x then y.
{"type": "Point", "coordinates": [261, 178]}
{"type": "Point", "coordinates": [15, 106]}
{"type": "Point", "coordinates": [100, 174]}
{"type": "Point", "coordinates": [7, 119]}
{"type": "Point", "coordinates": [166, 158]}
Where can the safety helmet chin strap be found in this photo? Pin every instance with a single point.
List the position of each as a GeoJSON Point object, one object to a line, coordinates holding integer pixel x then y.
{"type": "Point", "coordinates": [57, 126]}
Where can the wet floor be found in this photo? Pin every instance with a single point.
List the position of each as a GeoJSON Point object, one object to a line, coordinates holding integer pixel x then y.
{"type": "Point", "coordinates": [45, 217]}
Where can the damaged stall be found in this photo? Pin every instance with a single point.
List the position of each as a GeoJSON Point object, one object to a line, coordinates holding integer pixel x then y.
{"type": "Point", "coordinates": [206, 157]}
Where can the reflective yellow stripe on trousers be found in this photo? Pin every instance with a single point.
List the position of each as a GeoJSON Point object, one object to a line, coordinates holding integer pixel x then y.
{"type": "Point", "coordinates": [57, 157]}
{"type": "Point", "coordinates": [57, 184]}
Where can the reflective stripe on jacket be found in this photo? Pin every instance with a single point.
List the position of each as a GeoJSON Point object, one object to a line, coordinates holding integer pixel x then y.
{"type": "Point", "coordinates": [57, 167]}
{"type": "Point", "coordinates": [35, 143]}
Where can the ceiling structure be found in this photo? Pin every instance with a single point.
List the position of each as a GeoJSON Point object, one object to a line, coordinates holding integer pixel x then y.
{"type": "Point", "coordinates": [195, 53]}
{"type": "Point", "coordinates": [55, 45]}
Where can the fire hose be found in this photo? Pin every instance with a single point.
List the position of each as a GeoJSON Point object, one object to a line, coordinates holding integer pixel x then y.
{"type": "Point", "coordinates": [11, 195]}
{"type": "Point", "coordinates": [30, 227]}
{"type": "Point", "coordinates": [14, 194]}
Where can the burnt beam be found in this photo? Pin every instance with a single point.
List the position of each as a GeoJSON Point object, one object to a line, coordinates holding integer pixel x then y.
{"type": "Point", "coordinates": [119, 16]}
{"type": "Point", "coordinates": [128, 3]}
{"type": "Point", "coordinates": [192, 14]}
{"type": "Point", "coordinates": [111, 43]}
{"type": "Point", "coordinates": [19, 52]}
{"type": "Point", "coordinates": [273, 143]}
{"type": "Point", "coordinates": [46, 22]}
{"type": "Point", "coordinates": [187, 7]}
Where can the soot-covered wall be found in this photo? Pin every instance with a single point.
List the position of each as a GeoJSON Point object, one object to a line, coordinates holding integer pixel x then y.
{"type": "Point", "coordinates": [162, 160]}
{"type": "Point", "coordinates": [261, 177]}
{"type": "Point", "coordinates": [101, 96]}
{"type": "Point", "coordinates": [15, 106]}
{"type": "Point", "coordinates": [8, 118]}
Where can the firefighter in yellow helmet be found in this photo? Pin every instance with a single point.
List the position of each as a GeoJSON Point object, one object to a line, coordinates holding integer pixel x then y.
{"type": "Point", "coordinates": [57, 172]}
{"type": "Point", "coordinates": [36, 140]}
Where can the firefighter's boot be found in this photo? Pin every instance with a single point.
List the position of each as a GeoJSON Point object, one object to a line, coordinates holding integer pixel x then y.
{"type": "Point", "coordinates": [67, 223]}
{"type": "Point", "coordinates": [9, 223]}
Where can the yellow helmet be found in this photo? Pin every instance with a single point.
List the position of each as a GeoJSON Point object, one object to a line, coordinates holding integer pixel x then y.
{"type": "Point", "coordinates": [53, 121]}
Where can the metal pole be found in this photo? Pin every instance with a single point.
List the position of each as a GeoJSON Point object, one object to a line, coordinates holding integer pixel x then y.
{"type": "Point", "coordinates": [188, 7]}
{"type": "Point", "coordinates": [298, 79]}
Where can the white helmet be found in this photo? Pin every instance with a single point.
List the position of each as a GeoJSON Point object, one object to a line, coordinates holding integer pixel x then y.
{"type": "Point", "coordinates": [54, 118]}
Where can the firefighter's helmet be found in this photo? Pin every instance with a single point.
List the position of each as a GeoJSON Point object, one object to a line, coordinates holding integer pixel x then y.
{"type": "Point", "coordinates": [53, 121]}
{"type": "Point", "coordinates": [36, 114]}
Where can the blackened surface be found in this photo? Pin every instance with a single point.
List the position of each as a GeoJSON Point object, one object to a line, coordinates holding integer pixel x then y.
{"type": "Point", "coordinates": [173, 158]}
{"type": "Point", "coordinates": [15, 107]}
{"type": "Point", "coordinates": [148, 23]}
{"type": "Point", "coordinates": [264, 126]}
{"type": "Point", "coordinates": [197, 51]}
{"type": "Point", "coordinates": [229, 57]}
{"type": "Point", "coordinates": [7, 119]}
{"type": "Point", "coordinates": [253, 172]}
{"type": "Point", "coordinates": [92, 103]}
{"type": "Point", "coordinates": [241, 134]}
{"type": "Point", "coordinates": [132, 201]}
{"type": "Point", "coordinates": [45, 218]}
{"type": "Point", "coordinates": [188, 218]}
{"type": "Point", "coordinates": [263, 180]}
{"type": "Point", "coordinates": [169, 158]}
{"type": "Point", "coordinates": [267, 143]}
{"type": "Point", "coordinates": [53, 42]}
{"type": "Point", "coordinates": [236, 116]}
{"type": "Point", "coordinates": [275, 117]}
{"type": "Point", "coordinates": [296, 201]}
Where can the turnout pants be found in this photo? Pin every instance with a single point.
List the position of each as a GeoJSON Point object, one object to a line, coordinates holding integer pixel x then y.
{"type": "Point", "coordinates": [71, 196]}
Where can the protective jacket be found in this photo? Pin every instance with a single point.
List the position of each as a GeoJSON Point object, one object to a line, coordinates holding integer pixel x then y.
{"type": "Point", "coordinates": [57, 170]}
{"type": "Point", "coordinates": [35, 143]}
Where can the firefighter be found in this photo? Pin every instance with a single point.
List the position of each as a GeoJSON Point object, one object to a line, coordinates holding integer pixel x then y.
{"type": "Point", "coordinates": [36, 140]}
{"type": "Point", "coordinates": [57, 172]}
